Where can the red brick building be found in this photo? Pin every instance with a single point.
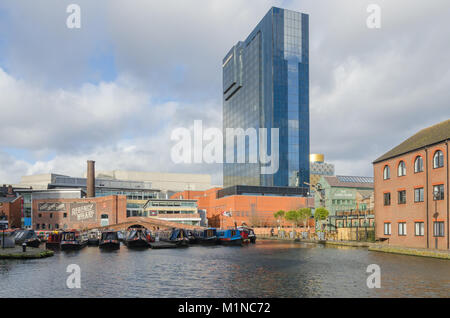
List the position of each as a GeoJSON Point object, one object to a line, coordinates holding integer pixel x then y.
{"type": "Point", "coordinates": [11, 210]}
{"type": "Point", "coordinates": [412, 191]}
{"type": "Point", "coordinates": [252, 210]}
{"type": "Point", "coordinates": [51, 214]}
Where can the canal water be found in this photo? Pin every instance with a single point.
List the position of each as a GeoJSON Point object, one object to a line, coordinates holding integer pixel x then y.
{"type": "Point", "coordinates": [267, 269]}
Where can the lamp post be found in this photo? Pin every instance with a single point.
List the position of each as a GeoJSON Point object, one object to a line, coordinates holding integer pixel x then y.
{"type": "Point", "coordinates": [435, 215]}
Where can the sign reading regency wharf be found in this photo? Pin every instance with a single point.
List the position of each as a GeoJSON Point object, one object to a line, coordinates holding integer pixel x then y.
{"type": "Point", "coordinates": [82, 212]}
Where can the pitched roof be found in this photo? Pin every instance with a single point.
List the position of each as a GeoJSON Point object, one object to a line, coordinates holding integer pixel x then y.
{"type": "Point", "coordinates": [7, 199]}
{"type": "Point", "coordinates": [350, 182]}
{"type": "Point", "coordinates": [428, 136]}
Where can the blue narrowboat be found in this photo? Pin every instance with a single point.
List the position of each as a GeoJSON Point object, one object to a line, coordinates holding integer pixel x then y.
{"type": "Point", "coordinates": [230, 237]}
{"type": "Point", "coordinates": [206, 236]}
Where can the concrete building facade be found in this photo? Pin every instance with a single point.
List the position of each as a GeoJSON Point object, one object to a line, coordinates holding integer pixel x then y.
{"type": "Point", "coordinates": [412, 190]}
{"type": "Point", "coordinates": [165, 182]}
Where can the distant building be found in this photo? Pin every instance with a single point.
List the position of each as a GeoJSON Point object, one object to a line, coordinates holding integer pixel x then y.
{"type": "Point", "coordinates": [412, 190]}
{"type": "Point", "coordinates": [28, 195]}
{"type": "Point", "coordinates": [234, 206]}
{"type": "Point", "coordinates": [78, 213]}
{"type": "Point", "coordinates": [10, 210]}
{"type": "Point", "coordinates": [136, 192]}
{"type": "Point", "coordinates": [319, 168]}
{"type": "Point", "coordinates": [178, 211]}
{"type": "Point", "coordinates": [266, 85]}
{"type": "Point", "coordinates": [349, 200]}
{"type": "Point", "coordinates": [169, 183]}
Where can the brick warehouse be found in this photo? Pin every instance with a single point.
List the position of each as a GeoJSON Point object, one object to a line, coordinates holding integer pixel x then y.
{"type": "Point", "coordinates": [252, 210]}
{"type": "Point", "coordinates": [412, 191]}
{"type": "Point", "coordinates": [11, 210]}
{"type": "Point", "coordinates": [51, 214]}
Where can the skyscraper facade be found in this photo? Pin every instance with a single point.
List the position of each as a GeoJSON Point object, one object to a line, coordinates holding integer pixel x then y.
{"type": "Point", "coordinates": [266, 85]}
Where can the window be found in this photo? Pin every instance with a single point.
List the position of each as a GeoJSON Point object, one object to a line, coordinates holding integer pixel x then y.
{"type": "Point", "coordinates": [37, 226]}
{"type": "Point", "coordinates": [420, 229]}
{"type": "Point", "coordinates": [418, 195]}
{"type": "Point", "coordinates": [387, 199]}
{"type": "Point", "coordinates": [439, 229]}
{"type": "Point", "coordinates": [43, 226]}
{"type": "Point", "coordinates": [438, 159]}
{"type": "Point", "coordinates": [40, 215]}
{"type": "Point", "coordinates": [387, 228]}
{"type": "Point", "coordinates": [51, 215]}
{"type": "Point", "coordinates": [56, 226]}
{"type": "Point", "coordinates": [438, 192]}
{"type": "Point", "coordinates": [65, 215]}
{"type": "Point", "coordinates": [386, 173]}
{"type": "Point", "coordinates": [401, 169]}
{"type": "Point", "coordinates": [402, 197]}
{"type": "Point", "coordinates": [402, 229]}
{"type": "Point", "coordinates": [418, 164]}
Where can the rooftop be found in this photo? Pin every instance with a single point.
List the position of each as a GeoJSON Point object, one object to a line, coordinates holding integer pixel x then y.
{"type": "Point", "coordinates": [426, 137]}
{"type": "Point", "coordinates": [350, 182]}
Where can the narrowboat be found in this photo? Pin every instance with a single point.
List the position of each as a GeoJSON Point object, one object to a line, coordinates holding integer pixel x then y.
{"type": "Point", "coordinates": [28, 237]}
{"type": "Point", "coordinates": [191, 237]}
{"type": "Point", "coordinates": [178, 237]}
{"type": "Point", "coordinates": [121, 235]}
{"type": "Point", "coordinates": [93, 238]}
{"type": "Point", "coordinates": [137, 238]}
{"type": "Point", "coordinates": [73, 240]}
{"type": "Point", "coordinates": [54, 240]}
{"type": "Point", "coordinates": [206, 236]}
{"type": "Point", "coordinates": [250, 233]}
{"type": "Point", "coordinates": [109, 240]}
{"type": "Point", "coordinates": [230, 237]}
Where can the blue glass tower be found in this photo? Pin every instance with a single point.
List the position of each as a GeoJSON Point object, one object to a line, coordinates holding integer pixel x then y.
{"type": "Point", "coordinates": [266, 85]}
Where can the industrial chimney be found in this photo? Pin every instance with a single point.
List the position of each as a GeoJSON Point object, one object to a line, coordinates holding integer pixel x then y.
{"type": "Point", "coordinates": [90, 182]}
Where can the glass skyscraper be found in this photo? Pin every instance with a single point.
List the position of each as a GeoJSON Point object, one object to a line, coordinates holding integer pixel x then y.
{"type": "Point", "coordinates": [266, 85]}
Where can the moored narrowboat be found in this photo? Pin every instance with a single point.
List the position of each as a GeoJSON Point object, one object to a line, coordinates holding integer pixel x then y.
{"type": "Point", "coordinates": [206, 236]}
{"type": "Point", "coordinates": [137, 238]}
{"type": "Point", "coordinates": [249, 233]}
{"type": "Point", "coordinates": [28, 237]}
{"type": "Point", "coordinates": [73, 240]}
{"type": "Point", "coordinates": [178, 237]}
{"type": "Point", "coordinates": [54, 240]}
{"type": "Point", "coordinates": [109, 240]}
{"type": "Point", "coordinates": [231, 237]}
{"type": "Point", "coordinates": [93, 238]}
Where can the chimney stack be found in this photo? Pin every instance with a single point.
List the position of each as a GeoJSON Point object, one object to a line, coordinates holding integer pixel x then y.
{"type": "Point", "coordinates": [90, 182]}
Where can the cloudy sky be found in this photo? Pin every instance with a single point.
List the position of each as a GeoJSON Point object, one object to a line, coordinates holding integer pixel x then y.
{"type": "Point", "coordinates": [114, 90]}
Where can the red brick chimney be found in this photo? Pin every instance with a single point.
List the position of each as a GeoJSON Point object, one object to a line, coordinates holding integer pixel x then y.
{"type": "Point", "coordinates": [10, 191]}
{"type": "Point", "coordinates": [90, 182]}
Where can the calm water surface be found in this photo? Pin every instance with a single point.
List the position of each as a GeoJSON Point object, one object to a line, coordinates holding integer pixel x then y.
{"type": "Point", "coordinates": [267, 269]}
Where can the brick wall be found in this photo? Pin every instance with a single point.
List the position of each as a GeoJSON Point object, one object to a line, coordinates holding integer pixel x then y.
{"type": "Point", "coordinates": [78, 213]}
{"type": "Point", "coordinates": [412, 211]}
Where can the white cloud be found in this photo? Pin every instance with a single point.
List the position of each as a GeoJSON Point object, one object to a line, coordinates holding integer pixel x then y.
{"type": "Point", "coordinates": [370, 89]}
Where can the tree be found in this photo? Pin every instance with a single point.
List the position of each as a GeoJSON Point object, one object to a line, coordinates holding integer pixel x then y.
{"type": "Point", "coordinates": [305, 215]}
{"type": "Point", "coordinates": [279, 215]}
{"type": "Point", "coordinates": [321, 214]}
{"type": "Point", "coordinates": [293, 216]}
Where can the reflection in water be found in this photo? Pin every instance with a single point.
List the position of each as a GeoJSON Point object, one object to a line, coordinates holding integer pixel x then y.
{"type": "Point", "coordinates": [268, 269]}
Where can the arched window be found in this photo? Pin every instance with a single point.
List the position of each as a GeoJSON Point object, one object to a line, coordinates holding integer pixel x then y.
{"type": "Point", "coordinates": [438, 159]}
{"type": "Point", "coordinates": [401, 169]}
{"type": "Point", "coordinates": [418, 164]}
{"type": "Point", "coordinates": [386, 173]}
